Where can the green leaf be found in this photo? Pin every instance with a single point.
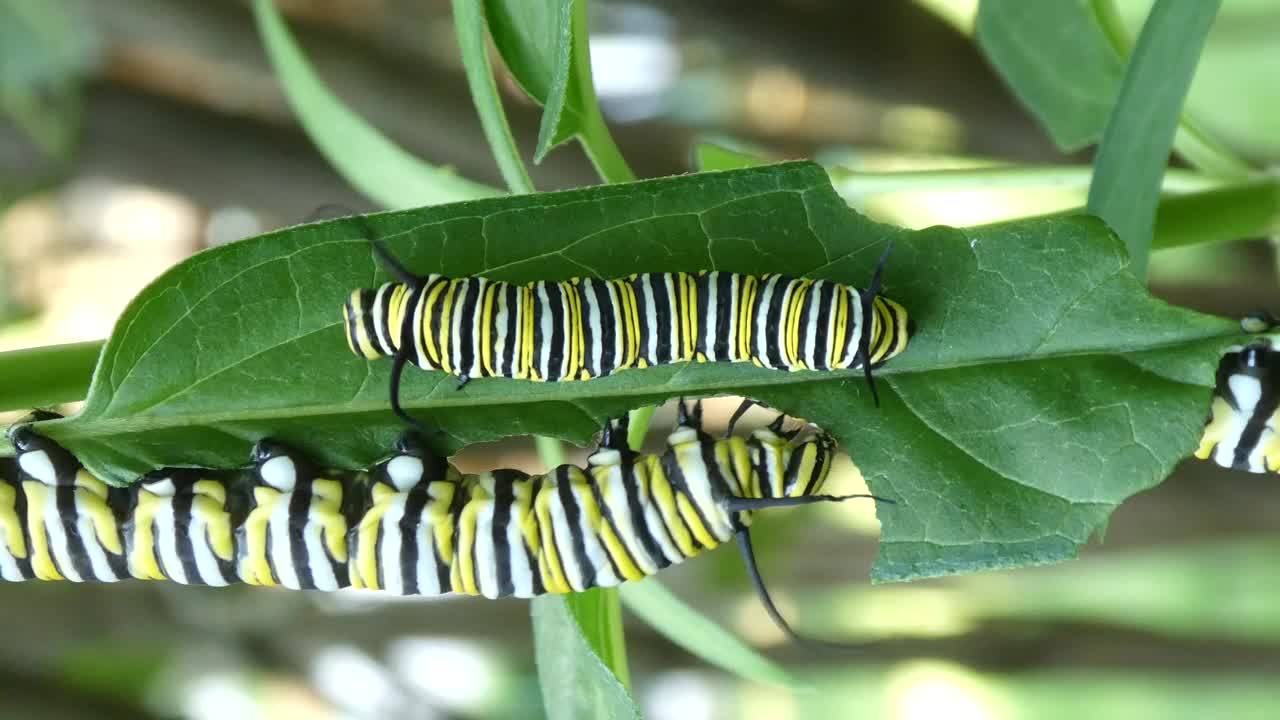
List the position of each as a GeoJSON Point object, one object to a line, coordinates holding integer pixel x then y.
{"type": "Point", "coordinates": [528, 36]}
{"type": "Point", "coordinates": [1044, 385]}
{"type": "Point", "coordinates": [698, 634]}
{"type": "Point", "coordinates": [1056, 59]}
{"type": "Point", "coordinates": [46, 376]}
{"type": "Point", "coordinates": [373, 164]}
{"type": "Point", "coordinates": [468, 17]}
{"type": "Point", "coordinates": [536, 40]}
{"type": "Point", "coordinates": [1135, 148]}
{"type": "Point", "coordinates": [1065, 61]}
{"type": "Point", "coordinates": [544, 45]}
{"type": "Point", "coordinates": [576, 685]}
{"type": "Point", "coordinates": [44, 51]}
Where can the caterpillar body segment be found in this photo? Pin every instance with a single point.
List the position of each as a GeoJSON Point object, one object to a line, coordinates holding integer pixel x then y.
{"type": "Point", "coordinates": [295, 533]}
{"type": "Point", "coordinates": [15, 555]}
{"type": "Point", "coordinates": [182, 530]}
{"type": "Point", "coordinates": [71, 524]}
{"type": "Point", "coordinates": [403, 543]}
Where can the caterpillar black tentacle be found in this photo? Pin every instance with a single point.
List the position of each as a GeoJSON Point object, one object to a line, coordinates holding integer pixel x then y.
{"type": "Point", "coordinates": [415, 525]}
{"type": "Point", "coordinates": [587, 328]}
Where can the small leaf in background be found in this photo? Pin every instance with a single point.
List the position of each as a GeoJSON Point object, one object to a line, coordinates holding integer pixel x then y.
{"type": "Point", "coordinates": [373, 164]}
{"type": "Point", "coordinates": [1034, 324]}
{"type": "Point", "coordinates": [527, 36]}
{"type": "Point", "coordinates": [535, 39]}
{"type": "Point", "coordinates": [1234, 94]}
{"type": "Point", "coordinates": [1056, 59]}
{"type": "Point", "coordinates": [576, 685]}
{"type": "Point", "coordinates": [699, 635]}
{"type": "Point", "coordinates": [45, 47]}
{"type": "Point", "coordinates": [1135, 147]}
{"type": "Point", "coordinates": [544, 45]}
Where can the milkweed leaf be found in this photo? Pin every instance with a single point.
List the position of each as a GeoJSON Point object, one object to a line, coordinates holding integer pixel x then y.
{"type": "Point", "coordinates": [1043, 387]}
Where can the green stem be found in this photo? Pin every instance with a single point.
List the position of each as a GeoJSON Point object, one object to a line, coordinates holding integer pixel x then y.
{"type": "Point", "coordinates": [599, 615]}
{"type": "Point", "coordinates": [597, 141]}
{"type": "Point", "coordinates": [598, 611]}
{"type": "Point", "coordinates": [1221, 214]}
{"type": "Point", "coordinates": [1244, 210]}
{"type": "Point", "coordinates": [603, 152]}
{"type": "Point", "coordinates": [1192, 141]}
{"type": "Point", "coordinates": [44, 376]}
{"type": "Point", "coordinates": [469, 23]}
{"type": "Point", "coordinates": [550, 451]}
{"type": "Point", "coordinates": [638, 426]}
{"type": "Point", "coordinates": [854, 182]}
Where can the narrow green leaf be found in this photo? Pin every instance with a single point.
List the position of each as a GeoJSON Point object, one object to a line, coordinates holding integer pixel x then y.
{"type": "Point", "coordinates": [699, 635]}
{"type": "Point", "coordinates": [1056, 59]}
{"type": "Point", "coordinates": [373, 164]}
{"type": "Point", "coordinates": [1135, 147]}
{"type": "Point", "coordinates": [1036, 325]}
{"type": "Point", "coordinates": [576, 685]}
{"type": "Point", "coordinates": [44, 376]}
{"type": "Point", "coordinates": [545, 45]}
{"type": "Point", "coordinates": [468, 17]}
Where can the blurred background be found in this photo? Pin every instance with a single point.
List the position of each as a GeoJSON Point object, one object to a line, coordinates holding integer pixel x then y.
{"type": "Point", "coordinates": [136, 132]}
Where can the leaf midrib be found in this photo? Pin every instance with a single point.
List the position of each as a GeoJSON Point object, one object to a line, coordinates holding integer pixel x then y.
{"type": "Point", "coordinates": [450, 398]}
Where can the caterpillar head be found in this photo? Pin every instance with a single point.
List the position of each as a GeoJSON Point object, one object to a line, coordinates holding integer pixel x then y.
{"type": "Point", "coordinates": [277, 466]}
{"type": "Point", "coordinates": [1247, 374]}
{"type": "Point", "coordinates": [160, 483]}
{"type": "Point", "coordinates": [895, 330]}
{"type": "Point", "coordinates": [171, 482]}
{"type": "Point", "coordinates": [40, 458]}
{"type": "Point", "coordinates": [412, 463]}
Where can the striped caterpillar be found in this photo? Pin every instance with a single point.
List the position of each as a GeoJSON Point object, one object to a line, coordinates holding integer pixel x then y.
{"type": "Point", "coordinates": [1243, 428]}
{"type": "Point", "coordinates": [587, 328]}
{"type": "Point", "coordinates": [416, 526]}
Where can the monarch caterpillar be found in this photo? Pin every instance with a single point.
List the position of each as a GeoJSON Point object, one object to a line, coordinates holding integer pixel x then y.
{"type": "Point", "coordinates": [1243, 428]}
{"type": "Point", "coordinates": [415, 525]}
{"type": "Point", "coordinates": [586, 328]}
